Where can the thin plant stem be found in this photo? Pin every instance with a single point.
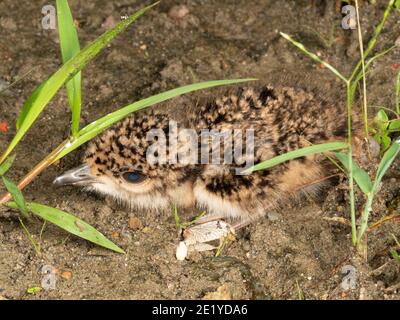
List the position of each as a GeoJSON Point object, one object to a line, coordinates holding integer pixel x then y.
{"type": "Point", "coordinates": [360, 40]}
{"type": "Point", "coordinates": [360, 73]}
{"type": "Point", "coordinates": [387, 109]}
{"type": "Point", "coordinates": [372, 42]}
{"type": "Point", "coordinates": [42, 165]}
{"type": "Point", "coordinates": [17, 80]}
{"type": "Point", "coordinates": [313, 56]}
{"type": "Point", "coordinates": [349, 135]}
{"type": "Point", "coordinates": [37, 250]}
{"type": "Point", "coordinates": [398, 94]}
{"type": "Point", "coordinates": [41, 234]}
{"type": "Point", "coordinates": [350, 165]}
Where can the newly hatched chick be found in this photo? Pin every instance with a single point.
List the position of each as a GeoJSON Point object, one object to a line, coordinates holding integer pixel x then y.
{"type": "Point", "coordinates": [281, 118]}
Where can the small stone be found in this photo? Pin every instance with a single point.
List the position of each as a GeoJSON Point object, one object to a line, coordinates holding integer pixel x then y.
{"type": "Point", "coordinates": [3, 84]}
{"type": "Point", "coordinates": [8, 23]}
{"type": "Point", "coordinates": [222, 293]}
{"type": "Point", "coordinates": [397, 42]}
{"type": "Point", "coordinates": [115, 235]}
{"type": "Point", "coordinates": [105, 211]}
{"type": "Point", "coordinates": [109, 23]}
{"type": "Point", "coordinates": [135, 223]}
{"type": "Point", "coordinates": [143, 47]}
{"type": "Point", "coordinates": [146, 230]}
{"type": "Point", "coordinates": [178, 12]}
{"type": "Point", "coordinates": [67, 275]}
{"type": "Point", "coordinates": [104, 91]}
{"type": "Point", "coordinates": [273, 216]}
{"type": "Point", "coordinates": [181, 251]}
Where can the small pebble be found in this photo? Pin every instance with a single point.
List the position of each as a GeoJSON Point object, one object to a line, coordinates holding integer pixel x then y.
{"type": "Point", "coordinates": [146, 230]}
{"type": "Point", "coordinates": [8, 23]}
{"type": "Point", "coordinates": [135, 223]}
{"type": "Point", "coordinates": [67, 275]}
{"type": "Point", "coordinates": [273, 216]}
{"type": "Point", "coordinates": [181, 251]}
{"type": "Point", "coordinates": [224, 292]}
{"type": "Point", "coordinates": [115, 235]}
{"type": "Point", "coordinates": [178, 12]}
{"type": "Point", "coordinates": [397, 42]}
{"type": "Point", "coordinates": [109, 23]}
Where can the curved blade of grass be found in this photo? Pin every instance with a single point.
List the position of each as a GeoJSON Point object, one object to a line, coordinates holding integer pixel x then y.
{"type": "Point", "coordinates": [97, 126]}
{"type": "Point", "coordinates": [360, 74]}
{"type": "Point", "coordinates": [387, 160]}
{"type": "Point", "coordinates": [70, 47]}
{"type": "Point", "coordinates": [313, 56]}
{"type": "Point", "coordinates": [384, 165]}
{"type": "Point", "coordinates": [318, 148]}
{"type": "Point", "coordinates": [6, 165]}
{"type": "Point", "coordinates": [360, 176]}
{"type": "Point", "coordinates": [372, 42]}
{"type": "Point", "coordinates": [398, 94]}
{"type": "Point", "coordinates": [45, 92]}
{"type": "Point", "coordinates": [17, 196]}
{"type": "Point", "coordinates": [69, 223]}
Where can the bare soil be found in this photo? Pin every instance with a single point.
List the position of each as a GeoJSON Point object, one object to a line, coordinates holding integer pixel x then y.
{"type": "Point", "coordinates": [300, 248]}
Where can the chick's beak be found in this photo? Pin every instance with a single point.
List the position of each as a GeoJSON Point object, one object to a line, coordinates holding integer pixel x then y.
{"type": "Point", "coordinates": [79, 176]}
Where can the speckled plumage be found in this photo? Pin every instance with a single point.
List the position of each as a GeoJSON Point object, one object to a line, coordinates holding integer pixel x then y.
{"type": "Point", "coordinates": [283, 119]}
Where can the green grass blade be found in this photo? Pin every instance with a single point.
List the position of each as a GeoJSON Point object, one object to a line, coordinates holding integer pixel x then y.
{"type": "Point", "coordinates": [46, 91]}
{"type": "Point", "coordinates": [360, 176]}
{"type": "Point", "coordinates": [313, 56]}
{"type": "Point", "coordinates": [387, 160]}
{"type": "Point", "coordinates": [70, 47]}
{"type": "Point", "coordinates": [359, 76]}
{"type": "Point", "coordinates": [384, 165]}
{"type": "Point", "coordinates": [96, 127]}
{"type": "Point", "coordinates": [394, 126]}
{"type": "Point", "coordinates": [318, 148]}
{"type": "Point", "coordinates": [17, 196]}
{"type": "Point", "coordinates": [70, 223]}
{"type": "Point", "coordinates": [372, 42]}
{"type": "Point", "coordinates": [6, 165]}
{"type": "Point", "coordinates": [398, 94]}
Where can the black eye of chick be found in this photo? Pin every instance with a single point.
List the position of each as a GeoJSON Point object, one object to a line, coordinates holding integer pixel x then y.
{"type": "Point", "coordinates": [133, 177]}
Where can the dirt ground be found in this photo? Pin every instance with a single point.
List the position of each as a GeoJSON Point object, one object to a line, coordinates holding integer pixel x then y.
{"type": "Point", "coordinates": [297, 249]}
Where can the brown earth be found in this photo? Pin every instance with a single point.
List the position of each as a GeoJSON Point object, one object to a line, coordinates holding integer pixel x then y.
{"type": "Point", "coordinates": [298, 248]}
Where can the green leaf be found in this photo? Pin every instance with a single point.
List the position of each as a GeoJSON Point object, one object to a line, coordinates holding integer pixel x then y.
{"type": "Point", "coordinates": [46, 91]}
{"type": "Point", "coordinates": [384, 165]}
{"type": "Point", "coordinates": [97, 126]}
{"type": "Point", "coordinates": [33, 290]}
{"type": "Point", "coordinates": [378, 138]}
{"type": "Point", "coordinates": [318, 148]}
{"type": "Point", "coordinates": [69, 48]}
{"type": "Point", "coordinates": [387, 160]}
{"type": "Point", "coordinates": [385, 142]}
{"type": "Point", "coordinates": [176, 216]}
{"type": "Point", "coordinates": [395, 255]}
{"type": "Point", "coordinates": [6, 165]}
{"type": "Point", "coordinates": [394, 125]}
{"type": "Point", "coordinates": [382, 116]}
{"type": "Point", "coordinates": [17, 195]}
{"type": "Point", "coordinates": [360, 176]}
{"type": "Point", "coordinates": [397, 4]}
{"type": "Point", "coordinates": [381, 120]}
{"type": "Point", "coordinates": [71, 224]}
